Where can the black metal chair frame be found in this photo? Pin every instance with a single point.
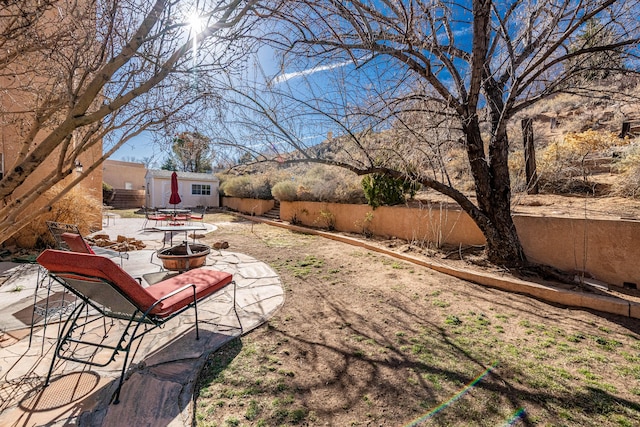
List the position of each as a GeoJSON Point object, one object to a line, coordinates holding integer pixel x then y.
{"type": "Point", "coordinates": [48, 309]}
{"type": "Point", "coordinates": [198, 215]}
{"type": "Point", "coordinates": [134, 319]}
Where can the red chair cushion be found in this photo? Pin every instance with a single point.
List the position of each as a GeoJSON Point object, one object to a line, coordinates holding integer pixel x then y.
{"type": "Point", "coordinates": [77, 243]}
{"type": "Point", "coordinates": [207, 282]}
{"type": "Point", "coordinates": [58, 262]}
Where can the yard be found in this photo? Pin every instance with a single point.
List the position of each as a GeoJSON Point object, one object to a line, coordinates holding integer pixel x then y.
{"type": "Point", "coordinates": [366, 339]}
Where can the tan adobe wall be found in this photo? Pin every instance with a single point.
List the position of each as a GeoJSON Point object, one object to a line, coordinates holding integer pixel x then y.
{"type": "Point", "coordinates": [607, 250]}
{"type": "Point", "coordinates": [13, 107]}
{"type": "Point", "coordinates": [422, 225]}
{"type": "Point", "coordinates": [248, 206]}
{"type": "Point", "coordinates": [117, 173]}
{"type": "Point", "coordinates": [91, 185]}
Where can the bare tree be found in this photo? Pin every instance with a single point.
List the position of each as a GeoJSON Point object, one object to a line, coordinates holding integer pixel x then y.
{"type": "Point", "coordinates": [77, 74]}
{"type": "Point", "coordinates": [192, 152]}
{"type": "Point", "coordinates": [435, 75]}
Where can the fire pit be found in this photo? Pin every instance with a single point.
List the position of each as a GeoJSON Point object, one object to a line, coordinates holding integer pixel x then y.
{"type": "Point", "coordinates": [184, 257]}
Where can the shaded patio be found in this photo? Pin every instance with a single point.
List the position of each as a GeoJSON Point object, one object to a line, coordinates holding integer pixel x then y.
{"type": "Point", "coordinates": [164, 365]}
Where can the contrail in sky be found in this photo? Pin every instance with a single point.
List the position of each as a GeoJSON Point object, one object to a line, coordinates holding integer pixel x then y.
{"type": "Point", "coordinates": [288, 76]}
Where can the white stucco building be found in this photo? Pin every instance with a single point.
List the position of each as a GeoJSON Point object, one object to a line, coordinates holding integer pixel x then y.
{"type": "Point", "coordinates": [195, 189]}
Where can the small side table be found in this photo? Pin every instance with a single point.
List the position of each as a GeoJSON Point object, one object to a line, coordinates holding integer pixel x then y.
{"type": "Point", "coordinates": [108, 216]}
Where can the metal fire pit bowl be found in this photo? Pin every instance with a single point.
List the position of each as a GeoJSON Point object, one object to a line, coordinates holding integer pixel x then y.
{"type": "Point", "coordinates": [178, 258]}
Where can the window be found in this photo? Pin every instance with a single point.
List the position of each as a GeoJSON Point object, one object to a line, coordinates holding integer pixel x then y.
{"type": "Point", "coordinates": [201, 189]}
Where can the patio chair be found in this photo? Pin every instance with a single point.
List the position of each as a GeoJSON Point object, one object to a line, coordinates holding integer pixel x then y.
{"type": "Point", "coordinates": [67, 237]}
{"type": "Point", "coordinates": [180, 217]}
{"type": "Point", "coordinates": [153, 216]}
{"type": "Point", "coordinates": [198, 215]}
{"type": "Point", "coordinates": [57, 229]}
{"type": "Point", "coordinates": [102, 285]}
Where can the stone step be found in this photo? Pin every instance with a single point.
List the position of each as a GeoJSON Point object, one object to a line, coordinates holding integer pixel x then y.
{"type": "Point", "coordinates": [273, 213]}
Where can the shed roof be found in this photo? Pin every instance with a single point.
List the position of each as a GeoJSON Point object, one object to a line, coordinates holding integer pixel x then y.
{"type": "Point", "coordinates": [160, 173]}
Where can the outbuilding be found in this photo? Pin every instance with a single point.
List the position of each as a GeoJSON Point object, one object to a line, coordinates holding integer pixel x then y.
{"type": "Point", "coordinates": [195, 189]}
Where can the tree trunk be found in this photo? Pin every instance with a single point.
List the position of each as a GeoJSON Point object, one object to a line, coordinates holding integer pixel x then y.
{"type": "Point", "coordinates": [529, 156]}
{"type": "Point", "coordinates": [493, 192]}
{"type": "Point", "coordinates": [503, 242]}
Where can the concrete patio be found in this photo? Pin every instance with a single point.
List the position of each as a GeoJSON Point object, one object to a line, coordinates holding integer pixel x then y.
{"type": "Point", "coordinates": [160, 382]}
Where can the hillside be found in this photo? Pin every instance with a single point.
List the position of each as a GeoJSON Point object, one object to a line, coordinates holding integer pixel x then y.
{"type": "Point", "coordinates": [584, 167]}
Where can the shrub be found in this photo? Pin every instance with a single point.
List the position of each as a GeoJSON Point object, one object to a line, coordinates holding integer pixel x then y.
{"type": "Point", "coordinates": [261, 188]}
{"type": "Point", "coordinates": [324, 184]}
{"type": "Point", "coordinates": [351, 192]}
{"type": "Point", "coordinates": [74, 208]}
{"type": "Point", "coordinates": [380, 189]}
{"type": "Point", "coordinates": [239, 186]}
{"type": "Point", "coordinates": [517, 172]}
{"type": "Point", "coordinates": [629, 168]}
{"type": "Point", "coordinates": [562, 166]}
{"type": "Point", "coordinates": [284, 191]}
{"type": "Point", "coordinates": [320, 184]}
{"type": "Point", "coordinates": [326, 220]}
{"type": "Point", "coordinates": [247, 186]}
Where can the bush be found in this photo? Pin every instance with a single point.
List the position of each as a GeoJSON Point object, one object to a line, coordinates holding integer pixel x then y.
{"type": "Point", "coordinates": [321, 184]}
{"type": "Point", "coordinates": [239, 186]}
{"type": "Point", "coordinates": [261, 188]}
{"type": "Point", "coordinates": [246, 186]}
{"type": "Point", "coordinates": [382, 190]}
{"type": "Point", "coordinates": [629, 168]}
{"type": "Point", "coordinates": [318, 184]}
{"type": "Point", "coordinates": [285, 191]}
{"type": "Point", "coordinates": [562, 168]}
{"type": "Point", "coordinates": [74, 208]}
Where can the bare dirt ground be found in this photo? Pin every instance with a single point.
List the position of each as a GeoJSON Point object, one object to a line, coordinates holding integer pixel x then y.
{"type": "Point", "coordinates": [364, 339]}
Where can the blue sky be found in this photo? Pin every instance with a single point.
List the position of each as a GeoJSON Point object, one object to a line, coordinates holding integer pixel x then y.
{"type": "Point", "coordinates": [296, 79]}
{"type": "Point", "coordinates": [144, 146]}
{"type": "Point", "coordinates": [319, 76]}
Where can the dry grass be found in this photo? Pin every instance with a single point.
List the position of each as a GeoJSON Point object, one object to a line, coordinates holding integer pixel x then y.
{"type": "Point", "coordinates": [365, 339]}
{"type": "Point", "coordinates": [629, 169]}
{"type": "Point", "coordinates": [74, 208]}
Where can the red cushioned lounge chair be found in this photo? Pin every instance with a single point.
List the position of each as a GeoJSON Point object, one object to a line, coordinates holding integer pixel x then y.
{"type": "Point", "coordinates": [101, 284]}
{"type": "Point", "coordinates": [197, 215]}
{"type": "Point", "coordinates": [57, 229]}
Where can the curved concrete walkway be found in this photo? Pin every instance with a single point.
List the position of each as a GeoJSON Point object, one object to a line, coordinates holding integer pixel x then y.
{"type": "Point", "coordinates": [161, 379]}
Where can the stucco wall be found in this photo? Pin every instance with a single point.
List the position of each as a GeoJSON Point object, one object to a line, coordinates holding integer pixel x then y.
{"type": "Point", "coordinates": [606, 250]}
{"type": "Point", "coordinates": [248, 206]}
{"type": "Point", "coordinates": [428, 224]}
{"type": "Point", "coordinates": [117, 174]}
